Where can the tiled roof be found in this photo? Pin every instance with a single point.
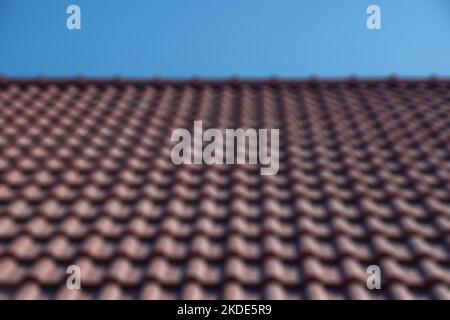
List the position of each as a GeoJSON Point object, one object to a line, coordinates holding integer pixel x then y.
{"type": "Point", "coordinates": [86, 179]}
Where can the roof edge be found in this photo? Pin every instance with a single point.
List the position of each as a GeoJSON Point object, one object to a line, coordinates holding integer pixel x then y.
{"type": "Point", "coordinates": [221, 81]}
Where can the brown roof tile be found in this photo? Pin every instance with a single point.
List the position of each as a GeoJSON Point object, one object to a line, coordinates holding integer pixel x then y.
{"type": "Point", "coordinates": [86, 179]}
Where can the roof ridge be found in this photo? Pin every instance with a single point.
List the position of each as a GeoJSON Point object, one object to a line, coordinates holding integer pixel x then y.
{"type": "Point", "coordinates": [234, 81]}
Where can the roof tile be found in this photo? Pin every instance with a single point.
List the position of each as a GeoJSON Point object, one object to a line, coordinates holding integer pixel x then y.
{"type": "Point", "coordinates": [86, 179]}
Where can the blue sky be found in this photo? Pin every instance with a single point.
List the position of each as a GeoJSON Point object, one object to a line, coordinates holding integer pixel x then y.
{"type": "Point", "coordinates": [212, 38]}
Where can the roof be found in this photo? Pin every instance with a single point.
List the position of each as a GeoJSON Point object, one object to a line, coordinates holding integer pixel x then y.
{"type": "Point", "coordinates": [86, 179]}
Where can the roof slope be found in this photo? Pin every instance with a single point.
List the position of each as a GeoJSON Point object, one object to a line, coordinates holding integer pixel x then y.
{"type": "Point", "coordinates": [86, 179]}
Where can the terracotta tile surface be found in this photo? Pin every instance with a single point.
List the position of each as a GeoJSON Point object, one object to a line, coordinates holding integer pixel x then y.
{"type": "Point", "coordinates": [86, 178]}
